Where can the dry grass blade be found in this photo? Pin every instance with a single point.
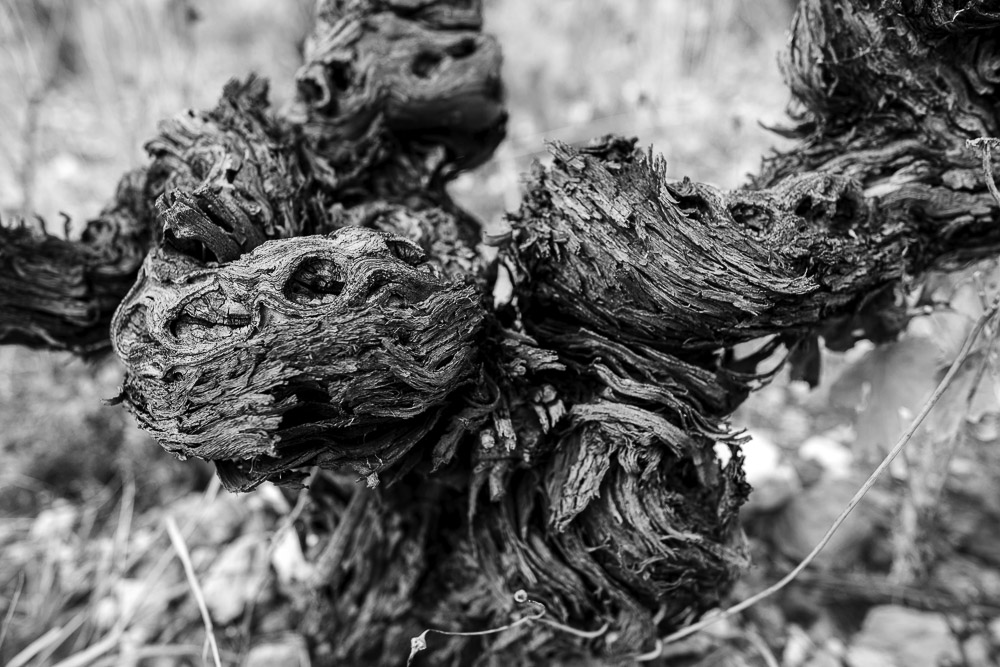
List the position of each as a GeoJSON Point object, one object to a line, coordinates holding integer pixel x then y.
{"type": "Point", "coordinates": [182, 552]}
{"type": "Point", "coordinates": [946, 382]}
{"type": "Point", "coordinates": [124, 528]}
{"type": "Point", "coordinates": [287, 524]}
{"type": "Point", "coordinates": [158, 652]}
{"type": "Point", "coordinates": [92, 652]}
{"type": "Point", "coordinates": [945, 463]}
{"type": "Point", "coordinates": [9, 616]}
{"type": "Point", "coordinates": [49, 641]}
{"type": "Point", "coordinates": [32, 649]}
{"type": "Point", "coordinates": [763, 649]}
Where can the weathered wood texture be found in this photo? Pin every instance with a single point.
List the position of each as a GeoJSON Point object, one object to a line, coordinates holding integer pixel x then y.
{"type": "Point", "coordinates": [546, 422]}
{"type": "Point", "coordinates": [61, 294]}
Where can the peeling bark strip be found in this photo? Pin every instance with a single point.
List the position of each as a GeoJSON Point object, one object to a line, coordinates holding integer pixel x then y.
{"type": "Point", "coordinates": [61, 294]}
{"type": "Point", "coordinates": [311, 296]}
{"type": "Point", "coordinates": [889, 92]}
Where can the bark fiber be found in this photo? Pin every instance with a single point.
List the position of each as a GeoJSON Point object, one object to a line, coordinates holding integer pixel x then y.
{"type": "Point", "coordinates": [548, 421]}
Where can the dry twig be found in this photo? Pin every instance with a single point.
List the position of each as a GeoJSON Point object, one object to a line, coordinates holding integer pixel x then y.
{"type": "Point", "coordinates": [419, 643]}
{"type": "Point", "coordinates": [942, 387]}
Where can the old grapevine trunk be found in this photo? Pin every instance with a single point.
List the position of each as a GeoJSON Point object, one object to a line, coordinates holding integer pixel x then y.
{"type": "Point", "coordinates": [310, 296]}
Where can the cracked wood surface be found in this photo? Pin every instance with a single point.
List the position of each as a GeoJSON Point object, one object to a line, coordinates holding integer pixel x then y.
{"type": "Point", "coordinates": [311, 296]}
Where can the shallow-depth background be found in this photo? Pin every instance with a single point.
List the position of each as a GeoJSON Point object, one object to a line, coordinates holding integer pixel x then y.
{"type": "Point", "coordinates": [84, 496]}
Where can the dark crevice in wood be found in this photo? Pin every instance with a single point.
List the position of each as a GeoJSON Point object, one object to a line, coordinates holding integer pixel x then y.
{"type": "Point", "coordinates": [312, 297]}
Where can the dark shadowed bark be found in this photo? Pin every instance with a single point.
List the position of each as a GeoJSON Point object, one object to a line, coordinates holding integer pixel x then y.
{"type": "Point", "coordinates": [548, 421]}
{"type": "Point", "coordinates": [62, 294]}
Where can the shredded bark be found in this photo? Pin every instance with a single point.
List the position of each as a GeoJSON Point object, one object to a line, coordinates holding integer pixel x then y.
{"type": "Point", "coordinates": [311, 296]}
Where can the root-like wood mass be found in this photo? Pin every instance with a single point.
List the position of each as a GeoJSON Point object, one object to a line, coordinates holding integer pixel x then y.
{"type": "Point", "coordinates": [547, 421]}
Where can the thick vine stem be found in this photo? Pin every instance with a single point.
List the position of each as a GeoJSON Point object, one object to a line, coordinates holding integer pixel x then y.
{"type": "Point", "coordinates": [399, 95]}
{"type": "Point", "coordinates": [219, 184]}
{"type": "Point", "coordinates": [282, 359]}
{"type": "Point", "coordinates": [686, 268]}
{"type": "Point", "coordinates": [375, 152]}
{"type": "Point", "coordinates": [888, 93]}
{"type": "Point", "coordinates": [312, 297]}
{"type": "Point", "coordinates": [61, 294]}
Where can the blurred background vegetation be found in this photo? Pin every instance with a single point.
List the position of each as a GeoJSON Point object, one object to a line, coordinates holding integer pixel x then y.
{"type": "Point", "coordinates": [83, 493]}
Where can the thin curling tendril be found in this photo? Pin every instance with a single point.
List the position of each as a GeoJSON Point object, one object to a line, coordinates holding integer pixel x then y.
{"type": "Point", "coordinates": [419, 643]}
